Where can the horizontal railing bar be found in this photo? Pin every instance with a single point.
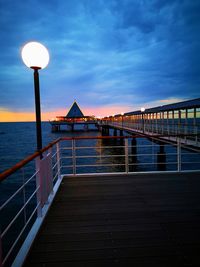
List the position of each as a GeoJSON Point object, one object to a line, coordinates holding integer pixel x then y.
{"type": "Point", "coordinates": [19, 212]}
{"type": "Point", "coordinates": [66, 166]}
{"type": "Point", "coordinates": [25, 161]}
{"type": "Point", "coordinates": [54, 165]}
{"type": "Point", "coordinates": [152, 163]}
{"type": "Point", "coordinates": [20, 189]}
{"type": "Point", "coordinates": [98, 165]}
{"type": "Point", "coordinates": [53, 155]}
{"type": "Point", "coordinates": [100, 156]}
{"type": "Point", "coordinates": [141, 135]}
{"type": "Point", "coordinates": [104, 147]}
{"type": "Point", "coordinates": [20, 234]}
{"type": "Point", "coordinates": [150, 154]}
{"type": "Point", "coordinates": [56, 175]}
{"type": "Point", "coordinates": [38, 153]}
{"type": "Point", "coordinates": [187, 162]}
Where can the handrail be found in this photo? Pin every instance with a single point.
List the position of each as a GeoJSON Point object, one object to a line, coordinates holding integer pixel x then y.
{"type": "Point", "coordinates": [25, 161]}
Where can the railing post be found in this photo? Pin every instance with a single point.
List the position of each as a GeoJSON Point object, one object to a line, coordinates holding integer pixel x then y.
{"type": "Point", "coordinates": [49, 173]}
{"type": "Point", "coordinates": [24, 196]}
{"type": "Point", "coordinates": [58, 159]}
{"type": "Point", "coordinates": [74, 156]}
{"type": "Point", "coordinates": [178, 155]}
{"type": "Point", "coordinates": [126, 156]}
{"type": "Point", "coordinates": [38, 185]}
{"type": "Point", "coordinates": [196, 134]}
{"type": "Point", "coordinates": [44, 180]}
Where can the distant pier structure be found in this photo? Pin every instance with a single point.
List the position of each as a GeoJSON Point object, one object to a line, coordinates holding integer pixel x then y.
{"type": "Point", "coordinates": [74, 120]}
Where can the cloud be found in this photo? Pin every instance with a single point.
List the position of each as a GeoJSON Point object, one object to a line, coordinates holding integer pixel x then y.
{"type": "Point", "coordinates": [103, 52]}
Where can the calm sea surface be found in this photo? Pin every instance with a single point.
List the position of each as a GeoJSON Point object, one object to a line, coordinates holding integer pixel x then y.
{"type": "Point", "coordinates": [18, 140]}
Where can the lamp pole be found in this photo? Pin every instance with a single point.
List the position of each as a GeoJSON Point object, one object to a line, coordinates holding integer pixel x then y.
{"type": "Point", "coordinates": [37, 108]}
{"type": "Point", "coordinates": [36, 57]}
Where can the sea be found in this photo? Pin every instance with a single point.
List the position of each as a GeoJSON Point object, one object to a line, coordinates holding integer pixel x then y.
{"type": "Point", "coordinates": [18, 140]}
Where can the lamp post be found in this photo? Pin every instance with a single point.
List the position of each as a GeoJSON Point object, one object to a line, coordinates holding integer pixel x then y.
{"type": "Point", "coordinates": [142, 111]}
{"type": "Point", "coordinates": [36, 57]}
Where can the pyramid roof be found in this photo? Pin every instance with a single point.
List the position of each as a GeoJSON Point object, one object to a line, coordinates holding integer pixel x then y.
{"type": "Point", "coordinates": [75, 111]}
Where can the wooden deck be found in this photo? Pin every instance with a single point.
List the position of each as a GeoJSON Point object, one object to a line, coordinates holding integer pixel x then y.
{"type": "Point", "coordinates": [141, 220]}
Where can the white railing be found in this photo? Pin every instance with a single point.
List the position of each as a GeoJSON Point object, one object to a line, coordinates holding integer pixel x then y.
{"type": "Point", "coordinates": [191, 133]}
{"type": "Point", "coordinates": [30, 189]}
{"type": "Point", "coordinates": [24, 209]}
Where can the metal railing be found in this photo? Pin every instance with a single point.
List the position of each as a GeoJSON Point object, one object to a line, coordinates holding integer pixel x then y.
{"type": "Point", "coordinates": [191, 133]}
{"type": "Point", "coordinates": [28, 188]}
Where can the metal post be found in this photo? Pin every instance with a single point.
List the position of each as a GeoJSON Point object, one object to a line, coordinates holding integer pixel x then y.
{"type": "Point", "coordinates": [49, 172]}
{"type": "Point", "coordinates": [195, 131]}
{"type": "Point", "coordinates": [186, 125]}
{"type": "Point", "coordinates": [39, 186]}
{"type": "Point", "coordinates": [142, 122]}
{"type": "Point", "coordinates": [179, 122]}
{"type": "Point", "coordinates": [178, 155]}
{"type": "Point", "coordinates": [37, 109]}
{"type": "Point", "coordinates": [173, 123]}
{"type": "Point", "coordinates": [156, 122]}
{"type": "Point", "coordinates": [168, 122]}
{"type": "Point", "coordinates": [58, 159]}
{"type": "Point", "coordinates": [126, 156]}
{"type": "Point", "coordinates": [162, 121]}
{"type": "Point", "coordinates": [24, 196]}
{"type": "Point", "coordinates": [74, 156]}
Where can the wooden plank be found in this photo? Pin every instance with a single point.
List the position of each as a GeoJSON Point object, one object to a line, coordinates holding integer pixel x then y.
{"type": "Point", "coordinates": [139, 220]}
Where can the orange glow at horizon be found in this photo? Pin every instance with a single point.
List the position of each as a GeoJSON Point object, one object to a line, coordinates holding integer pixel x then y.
{"type": "Point", "coordinates": [11, 116]}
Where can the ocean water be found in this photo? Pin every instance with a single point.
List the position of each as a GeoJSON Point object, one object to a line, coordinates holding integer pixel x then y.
{"type": "Point", "coordinates": [18, 140]}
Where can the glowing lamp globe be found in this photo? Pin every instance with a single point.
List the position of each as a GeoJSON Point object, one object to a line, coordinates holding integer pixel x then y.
{"type": "Point", "coordinates": [142, 109]}
{"type": "Point", "coordinates": [35, 55]}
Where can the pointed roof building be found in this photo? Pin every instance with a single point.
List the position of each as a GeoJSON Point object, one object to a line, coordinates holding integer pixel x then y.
{"type": "Point", "coordinates": [75, 111]}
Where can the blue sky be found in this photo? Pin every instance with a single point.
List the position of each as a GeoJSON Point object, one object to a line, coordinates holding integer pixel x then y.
{"type": "Point", "coordinates": [109, 55]}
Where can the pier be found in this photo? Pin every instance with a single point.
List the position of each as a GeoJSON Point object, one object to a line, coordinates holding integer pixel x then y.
{"type": "Point", "coordinates": [122, 220]}
{"type": "Point", "coordinates": [110, 200]}
{"type": "Point", "coordinates": [74, 119]}
{"type": "Point", "coordinates": [171, 121]}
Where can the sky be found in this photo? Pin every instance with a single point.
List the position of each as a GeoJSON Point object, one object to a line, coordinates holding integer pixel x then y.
{"type": "Point", "coordinates": [111, 56]}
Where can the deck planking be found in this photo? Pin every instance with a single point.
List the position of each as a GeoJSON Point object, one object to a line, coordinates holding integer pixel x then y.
{"type": "Point", "coordinates": [122, 220]}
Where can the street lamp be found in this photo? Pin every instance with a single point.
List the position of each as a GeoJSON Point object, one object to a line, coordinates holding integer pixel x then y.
{"type": "Point", "coordinates": [142, 111]}
{"type": "Point", "coordinates": [36, 57]}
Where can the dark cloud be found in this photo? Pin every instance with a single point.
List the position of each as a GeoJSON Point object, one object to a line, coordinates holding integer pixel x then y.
{"type": "Point", "coordinates": [102, 52]}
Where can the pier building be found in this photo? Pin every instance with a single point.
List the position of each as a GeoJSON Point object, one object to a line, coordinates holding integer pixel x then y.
{"type": "Point", "coordinates": [75, 119]}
